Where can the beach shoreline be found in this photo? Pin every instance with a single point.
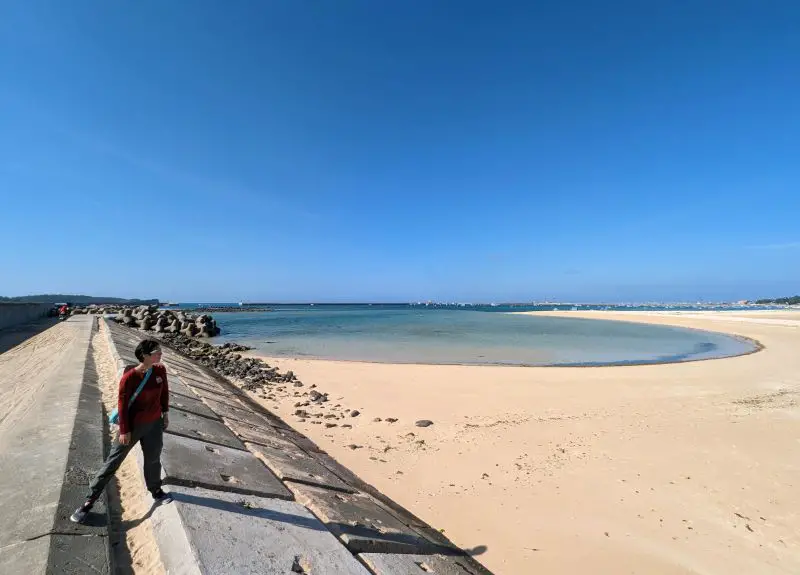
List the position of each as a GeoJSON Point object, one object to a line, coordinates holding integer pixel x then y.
{"type": "Point", "coordinates": [594, 459]}
{"type": "Point", "coordinates": [757, 347]}
{"type": "Point", "coordinates": [487, 339]}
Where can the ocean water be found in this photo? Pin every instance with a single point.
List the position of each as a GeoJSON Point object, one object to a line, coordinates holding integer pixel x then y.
{"type": "Point", "coordinates": [419, 334]}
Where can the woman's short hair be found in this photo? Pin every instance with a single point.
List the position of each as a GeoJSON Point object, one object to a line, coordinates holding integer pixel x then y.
{"type": "Point", "coordinates": [146, 347]}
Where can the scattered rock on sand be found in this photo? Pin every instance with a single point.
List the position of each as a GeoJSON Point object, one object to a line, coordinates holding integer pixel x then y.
{"type": "Point", "coordinates": [423, 423]}
{"type": "Point", "coordinates": [377, 420]}
{"type": "Point", "coordinates": [355, 413]}
{"type": "Point", "coordinates": [391, 419]}
{"type": "Point", "coordinates": [353, 446]}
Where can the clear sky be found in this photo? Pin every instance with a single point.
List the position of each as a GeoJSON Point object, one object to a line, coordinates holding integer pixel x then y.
{"type": "Point", "coordinates": [363, 150]}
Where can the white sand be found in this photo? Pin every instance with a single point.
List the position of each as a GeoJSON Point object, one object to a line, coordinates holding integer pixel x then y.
{"type": "Point", "coordinates": [664, 469]}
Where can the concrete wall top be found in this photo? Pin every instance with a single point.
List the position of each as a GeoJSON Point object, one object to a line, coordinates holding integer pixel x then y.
{"type": "Point", "coordinates": [14, 313]}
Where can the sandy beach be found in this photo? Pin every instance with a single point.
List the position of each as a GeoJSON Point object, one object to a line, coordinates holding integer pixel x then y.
{"type": "Point", "coordinates": [661, 469]}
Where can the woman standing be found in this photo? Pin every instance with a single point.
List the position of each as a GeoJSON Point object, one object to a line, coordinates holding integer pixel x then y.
{"type": "Point", "coordinates": [143, 407]}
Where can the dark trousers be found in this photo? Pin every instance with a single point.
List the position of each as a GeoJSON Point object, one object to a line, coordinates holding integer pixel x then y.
{"type": "Point", "coordinates": [150, 435]}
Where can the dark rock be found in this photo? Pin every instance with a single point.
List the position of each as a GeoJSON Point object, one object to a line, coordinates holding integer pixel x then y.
{"type": "Point", "coordinates": [391, 419]}
{"type": "Point", "coordinates": [355, 413]}
{"type": "Point", "coordinates": [424, 423]}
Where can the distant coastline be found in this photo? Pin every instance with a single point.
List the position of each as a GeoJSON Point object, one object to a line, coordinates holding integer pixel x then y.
{"type": "Point", "coordinates": [488, 307]}
{"type": "Point", "coordinates": [77, 299]}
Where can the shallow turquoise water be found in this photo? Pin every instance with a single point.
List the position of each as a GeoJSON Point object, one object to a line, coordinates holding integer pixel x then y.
{"type": "Point", "coordinates": [420, 335]}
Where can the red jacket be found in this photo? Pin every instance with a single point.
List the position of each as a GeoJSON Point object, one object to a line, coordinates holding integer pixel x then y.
{"type": "Point", "coordinates": [151, 402]}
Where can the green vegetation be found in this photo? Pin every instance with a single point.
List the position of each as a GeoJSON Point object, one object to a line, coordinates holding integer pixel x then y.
{"type": "Point", "coordinates": [75, 299]}
{"type": "Point", "coordinates": [794, 300]}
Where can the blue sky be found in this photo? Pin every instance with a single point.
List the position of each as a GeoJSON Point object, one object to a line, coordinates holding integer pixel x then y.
{"type": "Point", "coordinates": [400, 150]}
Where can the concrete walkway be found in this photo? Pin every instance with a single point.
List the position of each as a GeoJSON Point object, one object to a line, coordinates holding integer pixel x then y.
{"type": "Point", "coordinates": [51, 439]}
{"type": "Point", "coordinates": [252, 495]}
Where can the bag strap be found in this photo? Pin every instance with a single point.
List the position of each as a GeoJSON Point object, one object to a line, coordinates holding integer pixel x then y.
{"type": "Point", "coordinates": [141, 385]}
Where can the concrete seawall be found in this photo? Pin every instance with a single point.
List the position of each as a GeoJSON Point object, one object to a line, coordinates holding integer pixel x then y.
{"type": "Point", "coordinates": [12, 314]}
{"type": "Point", "coordinates": [51, 442]}
{"type": "Point", "coordinates": [252, 495]}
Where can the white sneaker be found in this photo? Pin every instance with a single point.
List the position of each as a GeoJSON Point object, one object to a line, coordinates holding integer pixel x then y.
{"type": "Point", "coordinates": [80, 514]}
